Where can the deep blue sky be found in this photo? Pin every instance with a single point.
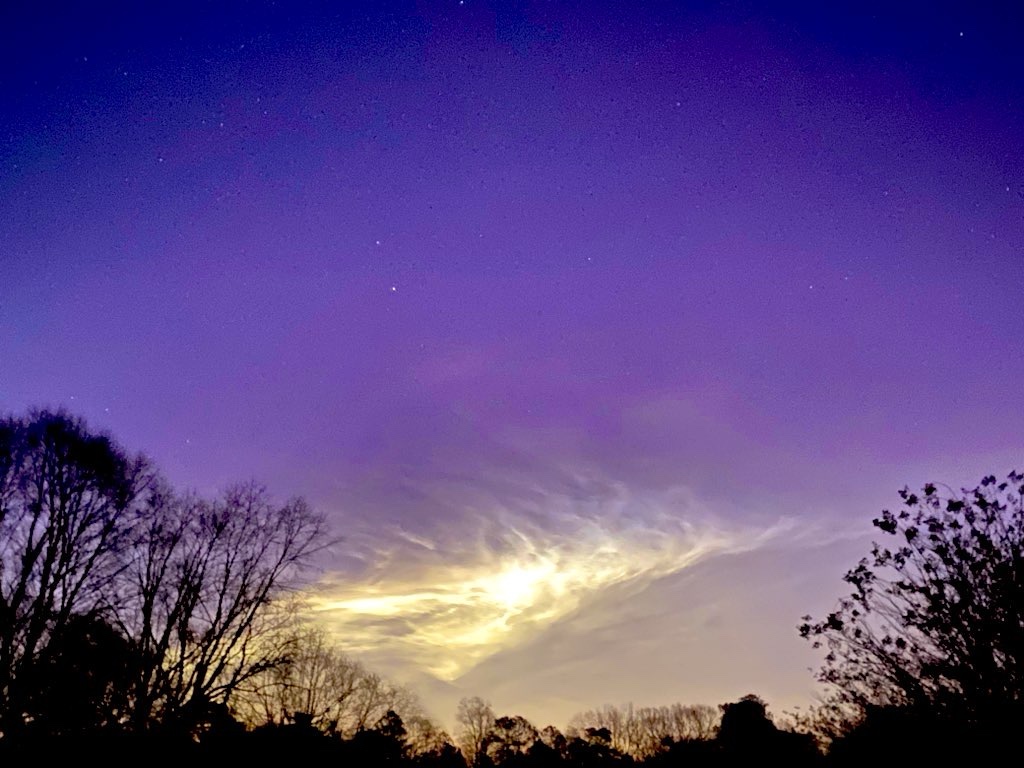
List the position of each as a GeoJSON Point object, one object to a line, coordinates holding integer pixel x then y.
{"type": "Point", "coordinates": [600, 330]}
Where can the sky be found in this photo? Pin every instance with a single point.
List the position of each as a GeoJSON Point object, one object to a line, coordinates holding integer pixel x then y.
{"type": "Point", "coordinates": [600, 331]}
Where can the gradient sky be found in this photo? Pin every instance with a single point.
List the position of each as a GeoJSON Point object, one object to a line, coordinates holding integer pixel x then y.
{"type": "Point", "coordinates": [601, 331]}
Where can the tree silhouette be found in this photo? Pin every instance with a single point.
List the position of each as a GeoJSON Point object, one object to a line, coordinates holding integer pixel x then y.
{"type": "Point", "coordinates": [509, 738]}
{"type": "Point", "coordinates": [334, 692]}
{"type": "Point", "coordinates": [384, 744]}
{"type": "Point", "coordinates": [99, 557]}
{"type": "Point", "coordinates": [475, 718]}
{"type": "Point", "coordinates": [745, 722]}
{"type": "Point", "coordinates": [431, 747]}
{"type": "Point", "coordinates": [67, 514]}
{"type": "Point", "coordinates": [83, 680]}
{"type": "Point", "coordinates": [748, 734]}
{"type": "Point", "coordinates": [935, 620]}
{"type": "Point", "coordinates": [201, 598]}
{"type": "Point", "coordinates": [645, 731]}
{"type": "Point", "coordinates": [594, 747]}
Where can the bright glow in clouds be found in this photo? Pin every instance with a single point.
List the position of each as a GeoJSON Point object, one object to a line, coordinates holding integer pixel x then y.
{"type": "Point", "coordinates": [443, 600]}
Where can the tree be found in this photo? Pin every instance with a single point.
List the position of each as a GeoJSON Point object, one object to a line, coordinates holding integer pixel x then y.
{"type": "Point", "coordinates": [594, 747]}
{"type": "Point", "coordinates": [200, 605]}
{"type": "Point", "coordinates": [384, 744]}
{"type": "Point", "coordinates": [619, 723]}
{"type": "Point", "coordinates": [373, 697]}
{"type": "Point", "coordinates": [335, 694]}
{"type": "Point", "coordinates": [697, 722]}
{"type": "Point", "coordinates": [747, 734]}
{"type": "Point", "coordinates": [646, 731]}
{"type": "Point", "coordinates": [96, 550]}
{"type": "Point", "coordinates": [314, 680]}
{"type": "Point", "coordinates": [475, 718]}
{"type": "Point", "coordinates": [425, 738]}
{"type": "Point", "coordinates": [445, 755]}
{"type": "Point", "coordinates": [82, 682]}
{"type": "Point", "coordinates": [68, 501]}
{"type": "Point", "coordinates": [508, 738]}
{"type": "Point", "coordinates": [553, 738]}
{"type": "Point", "coordinates": [745, 722]}
{"type": "Point", "coordinates": [935, 618]}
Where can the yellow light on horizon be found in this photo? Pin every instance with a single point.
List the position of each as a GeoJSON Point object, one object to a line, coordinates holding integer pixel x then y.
{"type": "Point", "coordinates": [446, 613]}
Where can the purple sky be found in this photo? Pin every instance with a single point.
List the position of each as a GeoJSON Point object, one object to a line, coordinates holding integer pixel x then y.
{"type": "Point", "coordinates": [657, 308]}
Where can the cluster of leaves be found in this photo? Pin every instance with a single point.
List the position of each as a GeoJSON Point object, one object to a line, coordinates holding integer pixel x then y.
{"type": "Point", "coordinates": [935, 619]}
{"type": "Point", "coordinates": [928, 647]}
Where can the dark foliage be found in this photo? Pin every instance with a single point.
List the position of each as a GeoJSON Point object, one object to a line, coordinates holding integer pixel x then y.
{"type": "Point", "coordinates": [926, 654]}
{"type": "Point", "coordinates": [82, 680]}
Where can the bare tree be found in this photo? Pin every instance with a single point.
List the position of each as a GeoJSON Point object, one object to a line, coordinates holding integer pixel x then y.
{"type": "Point", "coordinates": [330, 690]}
{"type": "Point", "coordinates": [201, 608]}
{"type": "Point", "coordinates": [697, 722]}
{"type": "Point", "coordinates": [615, 720]}
{"type": "Point", "coordinates": [314, 680]}
{"type": "Point", "coordinates": [424, 736]}
{"type": "Point", "coordinates": [654, 726]}
{"type": "Point", "coordinates": [647, 731]}
{"type": "Point", "coordinates": [66, 517]}
{"type": "Point", "coordinates": [475, 718]}
{"type": "Point", "coordinates": [373, 698]}
{"type": "Point", "coordinates": [90, 534]}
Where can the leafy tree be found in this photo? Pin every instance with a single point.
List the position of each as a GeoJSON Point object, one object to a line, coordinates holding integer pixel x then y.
{"type": "Point", "coordinates": [745, 721]}
{"type": "Point", "coordinates": [437, 753]}
{"type": "Point", "coordinates": [748, 733]}
{"type": "Point", "coordinates": [509, 737]}
{"type": "Point", "coordinates": [909, 736]}
{"type": "Point", "coordinates": [935, 618]}
{"type": "Point", "coordinates": [553, 738]}
{"type": "Point", "coordinates": [594, 747]}
{"type": "Point", "coordinates": [83, 680]}
{"type": "Point", "coordinates": [384, 744]}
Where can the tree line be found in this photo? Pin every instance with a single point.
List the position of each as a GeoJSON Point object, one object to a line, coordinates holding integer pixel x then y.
{"type": "Point", "coordinates": [134, 618]}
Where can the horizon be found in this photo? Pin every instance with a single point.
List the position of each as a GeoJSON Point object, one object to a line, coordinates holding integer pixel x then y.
{"type": "Point", "coordinates": [599, 337]}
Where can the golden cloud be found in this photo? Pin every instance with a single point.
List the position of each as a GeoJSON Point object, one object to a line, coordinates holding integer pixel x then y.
{"type": "Point", "coordinates": [444, 599]}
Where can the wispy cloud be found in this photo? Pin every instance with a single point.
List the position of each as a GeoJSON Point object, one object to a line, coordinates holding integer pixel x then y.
{"type": "Point", "coordinates": [503, 567]}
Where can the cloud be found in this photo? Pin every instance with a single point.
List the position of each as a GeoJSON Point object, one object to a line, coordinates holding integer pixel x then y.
{"type": "Point", "coordinates": [709, 633]}
{"type": "Point", "coordinates": [506, 564]}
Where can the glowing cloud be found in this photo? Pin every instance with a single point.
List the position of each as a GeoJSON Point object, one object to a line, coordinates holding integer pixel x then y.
{"type": "Point", "coordinates": [445, 599]}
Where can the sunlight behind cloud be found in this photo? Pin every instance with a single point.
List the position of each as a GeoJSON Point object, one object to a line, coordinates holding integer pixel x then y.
{"type": "Point", "coordinates": [444, 600]}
